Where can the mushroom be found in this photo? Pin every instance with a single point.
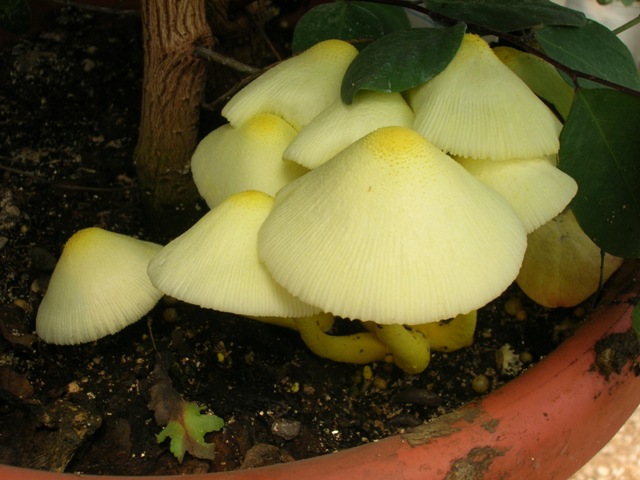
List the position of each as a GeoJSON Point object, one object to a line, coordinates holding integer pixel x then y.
{"type": "Point", "coordinates": [536, 189]}
{"type": "Point", "coordinates": [561, 267]}
{"type": "Point", "coordinates": [215, 263]}
{"type": "Point", "coordinates": [394, 231]}
{"type": "Point", "coordinates": [339, 125]}
{"type": "Point", "coordinates": [98, 287]}
{"type": "Point", "coordinates": [477, 107]}
{"type": "Point", "coordinates": [297, 89]}
{"type": "Point", "coordinates": [249, 157]}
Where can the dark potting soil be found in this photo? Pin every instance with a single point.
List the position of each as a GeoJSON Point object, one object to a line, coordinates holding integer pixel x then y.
{"type": "Point", "coordinates": [70, 100]}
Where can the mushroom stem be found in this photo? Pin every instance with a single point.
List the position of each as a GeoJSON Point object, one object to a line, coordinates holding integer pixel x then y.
{"type": "Point", "coordinates": [285, 322]}
{"type": "Point", "coordinates": [361, 348]}
{"type": "Point", "coordinates": [450, 335]}
{"type": "Point", "coordinates": [410, 348]}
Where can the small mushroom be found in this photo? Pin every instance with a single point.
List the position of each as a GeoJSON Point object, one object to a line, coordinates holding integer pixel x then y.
{"type": "Point", "coordinates": [233, 159]}
{"type": "Point", "coordinates": [297, 89]}
{"type": "Point", "coordinates": [536, 189]}
{"type": "Point", "coordinates": [476, 107]}
{"type": "Point", "coordinates": [561, 267]}
{"type": "Point", "coordinates": [215, 263]}
{"type": "Point", "coordinates": [339, 125]}
{"type": "Point", "coordinates": [394, 231]}
{"type": "Point", "coordinates": [99, 286]}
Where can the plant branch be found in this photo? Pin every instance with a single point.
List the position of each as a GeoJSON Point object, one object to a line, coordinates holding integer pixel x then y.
{"type": "Point", "coordinates": [211, 56]}
{"type": "Point", "coordinates": [627, 26]}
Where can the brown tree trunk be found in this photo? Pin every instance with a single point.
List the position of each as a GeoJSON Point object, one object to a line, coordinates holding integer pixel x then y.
{"type": "Point", "coordinates": [172, 93]}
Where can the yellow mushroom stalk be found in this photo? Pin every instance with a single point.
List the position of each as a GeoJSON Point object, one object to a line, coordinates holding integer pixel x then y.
{"type": "Point", "coordinates": [450, 335]}
{"type": "Point", "coordinates": [359, 348]}
{"type": "Point", "coordinates": [410, 347]}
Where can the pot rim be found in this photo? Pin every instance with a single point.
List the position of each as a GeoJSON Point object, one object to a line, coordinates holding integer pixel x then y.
{"type": "Point", "coordinates": [549, 420]}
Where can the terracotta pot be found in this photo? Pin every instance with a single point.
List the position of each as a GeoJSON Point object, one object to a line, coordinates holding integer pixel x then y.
{"type": "Point", "coordinates": [545, 424]}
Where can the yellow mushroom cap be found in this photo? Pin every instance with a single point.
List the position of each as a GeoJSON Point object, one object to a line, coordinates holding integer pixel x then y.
{"type": "Point", "coordinates": [215, 263]}
{"type": "Point", "coordinates": [99, 286]}
{"type": "Point", "coordinates": [561, 267]}
{"type": "Point", "coordinates": [477, 107]}
{"type": "Point", "coordinates": [536, 189]}
{"type": "Point", "coordinates": [297, 89]}
{"type": "Point", "coordinates": [392, 230]}
{"type": "Point", "coordinates": [249, 157]}
{"type": "Point", "coordinates": [540, 76]}
{"type": "Point", "coordinates": [339, 125]}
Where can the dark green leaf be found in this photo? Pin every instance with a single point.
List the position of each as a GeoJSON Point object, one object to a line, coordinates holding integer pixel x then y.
{"type": "Point", "coordinates": [591, 49]}
{"type": "Point", "coordinates": [402, 60]}
{"type": "Point", "coordinates": [391, 17]}
{"type": "Point", "coordinates": [507, 15]}
{"type": "Point", "coordinates": [599, 148]}
{"type": "Point", "coordinates": [15, 15]}
{"type": "Point", "coordinates": [341, 20]}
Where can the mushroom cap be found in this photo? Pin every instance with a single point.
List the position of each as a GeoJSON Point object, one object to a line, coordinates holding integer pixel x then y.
{"type": "Point", "coordinates": [297, 89]}
{"type": "Point", "coordinates": [392, 230]}
{"type": "Point", "coordinates": [339, 125]}
{"type": "Point", "coordinates": [561, 267]}
{"type": "Point", "coordinates": [215, 263]}
{"type": "Point", "coordinates": [98, 287]}
{"type": "Point", "coordinates": [249, 157]}
{"type": "Point", "coordinates": [477, 107]}
{"type": "Point", "coordinates": [540, 76]}
{"type": "Point", "coordinates": [536, 189]}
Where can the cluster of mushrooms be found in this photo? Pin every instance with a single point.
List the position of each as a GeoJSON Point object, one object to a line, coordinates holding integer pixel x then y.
{"type": "Point", "coordinates": [406, 212]}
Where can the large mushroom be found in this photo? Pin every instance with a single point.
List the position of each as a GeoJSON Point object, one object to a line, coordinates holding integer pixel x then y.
{"type": "Point", "coordinates": [477, 107]}
{"type": "Point", "coordinates": [394, 231]}
{"type": "Point", "coordinates": [99, 286]}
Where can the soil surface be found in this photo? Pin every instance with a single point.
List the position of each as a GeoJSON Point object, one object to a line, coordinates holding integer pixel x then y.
{"type": "Point", "coordinates": [69, 108]}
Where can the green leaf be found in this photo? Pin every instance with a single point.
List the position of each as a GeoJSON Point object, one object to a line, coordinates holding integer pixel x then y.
{"type": "Point", "coordinates": [15, 15]}
{"type": "Point", "coordinates": [591, 49]}
{"type": "Point", "coordinates": [188, 430]}
{"type": "Point", "coordinates": [507, 15]}
{"type": "Point", "coordinates": [402, 60]}
{"type": "Point", "coordinates": [340, 20]}
{"type": "Point", "coordinates": [599, 147]}
{"type": "Point", "coordinates": [391, 17]}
